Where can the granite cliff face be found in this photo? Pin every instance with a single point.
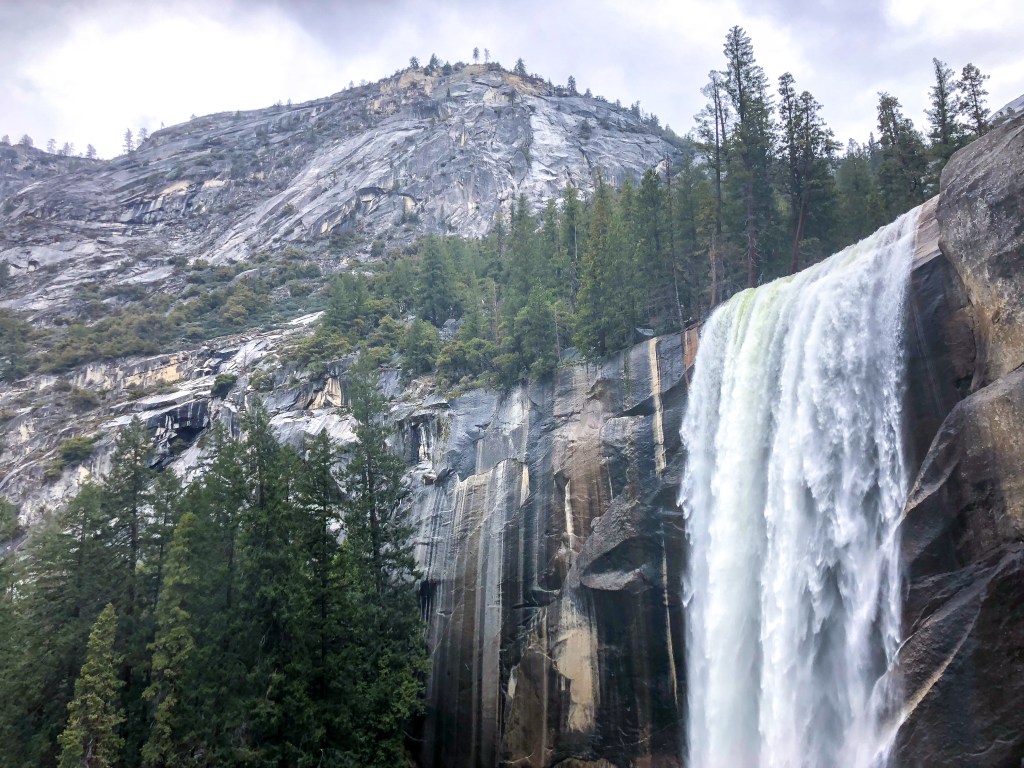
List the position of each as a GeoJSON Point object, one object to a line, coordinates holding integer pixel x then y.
{"type": "Point", "coordinates": [410, 154]}
{"type": "Point", "coordinates": [962, 664]}
{"type": "Point", "coordinates": [552, 545]}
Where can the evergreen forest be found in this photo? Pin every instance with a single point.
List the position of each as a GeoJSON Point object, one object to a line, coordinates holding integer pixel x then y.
{"type": "Point", "coordinates": [263, 614]}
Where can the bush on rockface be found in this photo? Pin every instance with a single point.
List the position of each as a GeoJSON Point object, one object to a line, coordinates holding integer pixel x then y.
{"type": "Point", "coordinates": [75, 450]}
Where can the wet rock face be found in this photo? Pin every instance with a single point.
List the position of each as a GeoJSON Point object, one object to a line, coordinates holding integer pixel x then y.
{"type": "Point", "coordinates": [962, 664]}
{"type": "Point", "coordinates": [981, 218]}
{"type": "Point", "coordinates": [552, 545]}
{"type": "Point", "coordinates": [963, 541]}
{"type": "Point", "coordinates": [938, 339]}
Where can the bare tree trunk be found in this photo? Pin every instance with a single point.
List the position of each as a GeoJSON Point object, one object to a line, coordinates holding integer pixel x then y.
{"type": "Point", "coordinates": [798, 236]}
{"type": "Point", "coordinates": [751, 236]}
{"type": "Point", "coordinates": [713, 256]}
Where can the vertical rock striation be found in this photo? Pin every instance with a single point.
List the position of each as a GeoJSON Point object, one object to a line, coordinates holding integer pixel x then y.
{"type": "Point", "coordinates": [551, 546]}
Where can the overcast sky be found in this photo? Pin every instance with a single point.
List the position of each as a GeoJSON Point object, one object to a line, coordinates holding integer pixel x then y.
{"type": "Point", "coordinates": [84, 70]}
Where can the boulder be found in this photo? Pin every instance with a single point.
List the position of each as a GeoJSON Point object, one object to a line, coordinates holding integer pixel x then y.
{"type": "Point", "coordinates": [981, 222]}
{"type": "Point", "coordinates": [962, 664]}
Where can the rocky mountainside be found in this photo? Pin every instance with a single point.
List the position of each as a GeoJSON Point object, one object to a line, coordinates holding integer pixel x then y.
{"type": "Point", "coordinates": [327, 184]}
{"type": "Point", "coordinates": [382, 163]}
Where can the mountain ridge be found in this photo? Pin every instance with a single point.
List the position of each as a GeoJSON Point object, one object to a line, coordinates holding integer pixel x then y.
{"type": "Point", "coordinates": [409, 155]}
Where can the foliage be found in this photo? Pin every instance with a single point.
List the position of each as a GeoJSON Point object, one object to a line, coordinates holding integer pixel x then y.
{"type": "Point", "coordinates": [9, 527]}
{"type": "Point", "coordinates": [244, 631]}
{"type": "Point", "coordinates": [91, 737]}
{"type": "Point", "coordinates": [75, 450]}
{"type": "Point", "coordinates": [82, 399]}
{"type": "Point", "coordinates": [15, 334]}
{"type": "Point", "coordinates": [422, 342]}
{"type": "Point", "coordinates": [903, 164]}
{"type": "Point", "coordinates": [222, 384]}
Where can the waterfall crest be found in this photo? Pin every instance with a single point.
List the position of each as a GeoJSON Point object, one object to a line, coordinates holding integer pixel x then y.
{"type": "Point", "coordinates": [794, 485]}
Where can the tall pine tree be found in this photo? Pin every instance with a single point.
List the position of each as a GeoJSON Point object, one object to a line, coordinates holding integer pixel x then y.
{"type": "Point", "coordinates": [752, 137]}
{"type": "Point", "coordinates": [91, 738]}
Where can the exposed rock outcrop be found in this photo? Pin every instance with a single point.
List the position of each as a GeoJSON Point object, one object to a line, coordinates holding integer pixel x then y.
{"type": "Point", "coordinates": [962, 664]}
{"type": "Point", "coordinates": [552, 549]}
{"type": "Point", "coordinates": [410, 154]}
{"type": "Point", "coordinates": [981, 217]}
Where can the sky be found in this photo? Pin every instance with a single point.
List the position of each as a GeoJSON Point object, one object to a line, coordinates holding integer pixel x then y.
{"type": "Point", "coordinates": [82, 71]}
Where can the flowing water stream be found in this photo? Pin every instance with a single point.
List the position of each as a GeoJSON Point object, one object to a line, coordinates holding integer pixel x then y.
{"type": "Point", "coordinates": [794, 485]}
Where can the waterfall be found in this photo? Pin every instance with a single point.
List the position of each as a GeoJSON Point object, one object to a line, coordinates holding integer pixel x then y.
{"type": "Point", "coordinates": [794, 484]}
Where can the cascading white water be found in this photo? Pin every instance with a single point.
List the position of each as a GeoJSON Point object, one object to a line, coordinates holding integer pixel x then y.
{"type": "Point", "coordinates": [794, 484]}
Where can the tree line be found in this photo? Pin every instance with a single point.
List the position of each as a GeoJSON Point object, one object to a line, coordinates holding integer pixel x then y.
{"type": "Point", "coordinates": [783, 197]}
{"type": "Point", "coordinates": [263, 614]}
{"type": "Point", "coordinates": [761, 191]}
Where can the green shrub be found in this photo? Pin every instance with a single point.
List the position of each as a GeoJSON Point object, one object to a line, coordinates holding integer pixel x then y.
{"type": "Point", "coordinates": [222, 384]}
{"type": "Point", "coordinates": [54, 470]}
{"type": "Point", "coordinates": [262, 381]}
{"type": "Point", "coordinates": [9, 527]}
{"type": "Point", "coordinates": [75, 450]}
{"type": "Point", "coordinates": [82, 399]}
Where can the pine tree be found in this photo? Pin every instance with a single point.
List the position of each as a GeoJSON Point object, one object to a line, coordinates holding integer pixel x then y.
{"type": "Point", "coordinates": [807, 148]}
{"type": "Point", "coordinates": [127, 493]}
{"type": "Point", "coordinates": [713, 130]}
{"type": "Point", "coordinates": [553, 257]}
{"type": "Point", "coordinates": [535, 326]}
{"type": "Point", "coordinates": [128, 500]}
{"type": "Point", "coordinates": [903, 162]}
{"type": "Point", "coordinates": [860, 204]}
{"type": "Point", "coordinates": [69, 573]}
{"type": "Point", "coordinates": [597, 277]}
{"type": "Point", "coordinates": [91, 738]}
{"type": "Point", "coordinates": [347, 304]}
{"type": "Point", "coordinates": [658, 291]}
{"type": "Point", "coordinates": [437, 297]}
{"type": "Point", "coordinates": [174, 650]}
{"type": "Point", "coordinates": [695, 217]}
{"type": "Point", "coordinates": [319, 498]}
{"type": "Point", "coordinates": [748, 90]}
{"type": "Point", "coordinates": [421, 346]}
{"type": "Point", "coordinates": [217, 710]}
{"type": "Point", "coordinates": [387, 656]}
{"type": "Point", "coordinates": [571, 238]}
{"type": "Point", "coordinates": [271, 569]}
{"type": "Point", "coordinates": [971, 104]}
{"type": "Point", "coordinates": [526, 267]}
{"type": "Point", "coordinates": [165, 498]}
{"type": "Point", "coordinates": [945, 131]}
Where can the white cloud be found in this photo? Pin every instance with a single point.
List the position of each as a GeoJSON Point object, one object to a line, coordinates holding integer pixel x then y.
{"type": "Point", "coordinates": [165, 66]}
{"type": "Point", "coordinates": [85, 71]}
